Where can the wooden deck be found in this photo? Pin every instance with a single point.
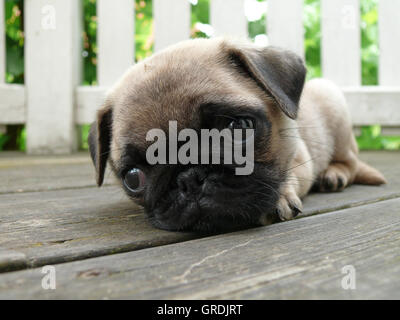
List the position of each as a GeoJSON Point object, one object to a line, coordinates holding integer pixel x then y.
{"type": "Point", "coordinates": [51, 213]}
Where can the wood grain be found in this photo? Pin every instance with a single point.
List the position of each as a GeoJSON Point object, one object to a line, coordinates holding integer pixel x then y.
{"type": "Point", "coordinates": [21, 173]}
{"type": "Point", "coordinates": [298, 259]}
{"type": "Point", "coordinates": [65, 225]}
{"type": "Point", "coordinates": [71, 222]}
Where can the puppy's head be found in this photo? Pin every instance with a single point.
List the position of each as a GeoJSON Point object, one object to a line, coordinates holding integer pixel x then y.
{"type": "Point", "coordinates": [201, 84]}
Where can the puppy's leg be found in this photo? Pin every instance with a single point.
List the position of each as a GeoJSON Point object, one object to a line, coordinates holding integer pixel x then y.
{"type": "Point", "coordinates": [335, 178]}
{"type": "Point", "coordinates": [340, 172]}
{"type": "Point", "coordinates": [289, 204]}
{"type": "Point", "coordinates": [368, 175]}
{"type": "Point", "coordinates": [346, 169]}
{"type": "Point", "coordinates": [297, 184]}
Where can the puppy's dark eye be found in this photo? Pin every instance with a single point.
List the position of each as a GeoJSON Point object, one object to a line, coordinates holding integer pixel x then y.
{"type": "Point", "coordinates": [134, 180]}
{"type": "Point", "coordinates": [241, 123]}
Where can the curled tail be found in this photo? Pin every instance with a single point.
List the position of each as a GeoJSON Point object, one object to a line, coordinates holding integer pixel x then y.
{"type": "Point", "coordinates": [368, 175]}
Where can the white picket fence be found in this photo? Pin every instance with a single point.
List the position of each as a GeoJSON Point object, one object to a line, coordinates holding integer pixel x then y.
{"type": "Point", "coordinates": [51, 102]}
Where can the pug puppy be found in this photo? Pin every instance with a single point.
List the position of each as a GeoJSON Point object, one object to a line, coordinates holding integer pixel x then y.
{"type": "Point", "coordinates": [303, 135]}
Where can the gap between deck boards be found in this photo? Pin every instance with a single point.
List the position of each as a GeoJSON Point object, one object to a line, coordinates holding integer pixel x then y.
{"type": "Point", "coordinates": [65, 250]}
{"type": "Point", "coordinates": [297, 259]}
{"type": "Point", "coordinates": [77, 222]}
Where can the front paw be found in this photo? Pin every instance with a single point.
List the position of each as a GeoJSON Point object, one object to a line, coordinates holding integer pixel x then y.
{"type": "Point", "coordinates": [289, 206]}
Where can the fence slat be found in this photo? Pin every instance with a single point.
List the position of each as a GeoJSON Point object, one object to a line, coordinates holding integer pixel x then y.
{"type": "Point", "coordinates": [373, 104]}
{"type": "Point", "coordinates": [88, 100]}
{"type": "Point", "coordinates": [389, 44]}
{"type": "Point", "coordinates": [171, 22]}
{"type": "Point", "coordinates": [2, 43]}
{"type": "Point", "coordinates": [52, 71]}
{"type": "Point", "coordinates": [363, 102]}
{"type": "Point", "coordinates": [228, 18]}
{"type": "Point", "coordinates": [285, 24]}
{"type": "Point", "coordinates": [12, 104]}
{"type": "Point", "coordinates": [115, 39]}
{"type": "Point", "coordinates": [340, 26]}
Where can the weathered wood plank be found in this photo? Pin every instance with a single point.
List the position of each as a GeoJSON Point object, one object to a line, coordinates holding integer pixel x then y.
{"type": "Point", "coordinates": [22, 173]}
{"type": "Point", "coordinates": [72, 224]}
{"type": "Point", "coordinates": [299, 259]}
{"type": "Point", "coordinates": [12, 260]}
{"type": "Point", "coordinates": [25, 173]}
{"type": "Point", "coordinates": [65, 225]}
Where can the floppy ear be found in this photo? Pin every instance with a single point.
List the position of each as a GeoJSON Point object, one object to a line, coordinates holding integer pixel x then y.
{"type": "Point", "coordinates": [99, 141]}
{"type": "Point", "coordinates": [281, 73]}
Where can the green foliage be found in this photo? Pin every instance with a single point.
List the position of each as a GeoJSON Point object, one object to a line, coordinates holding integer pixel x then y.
{"type": "Point", "coordinates": [14, 41]}
{"type": "Point", "coordinates": [89, 45]}
{"type": "Point", "coordinates": [84, 134]}
{"type": "Point", "coordinates": [144, 38]}
{"type": "Point", "coordinates": [257, 27]}
{"type": "Point", "coordinates": [312, 37]}
{"type": "Point", "coordinates": [14, 56]}
{"type": "Point", "coordinates": [14, 139]}
{"type": "Point", "coordinates": [3, 140]}
{"type": "Point", "coordinates": [200, 14]}
{"type": "Point", "coordinates": [372, 139]}
{"type": "Point", "coordinates": [369, 42]}
{"type": "Point", "coordinates": [21, 139]}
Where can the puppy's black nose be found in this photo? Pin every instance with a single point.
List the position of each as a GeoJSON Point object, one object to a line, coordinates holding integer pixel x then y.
{"type": "Point", "coordinates": [190, 180]}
